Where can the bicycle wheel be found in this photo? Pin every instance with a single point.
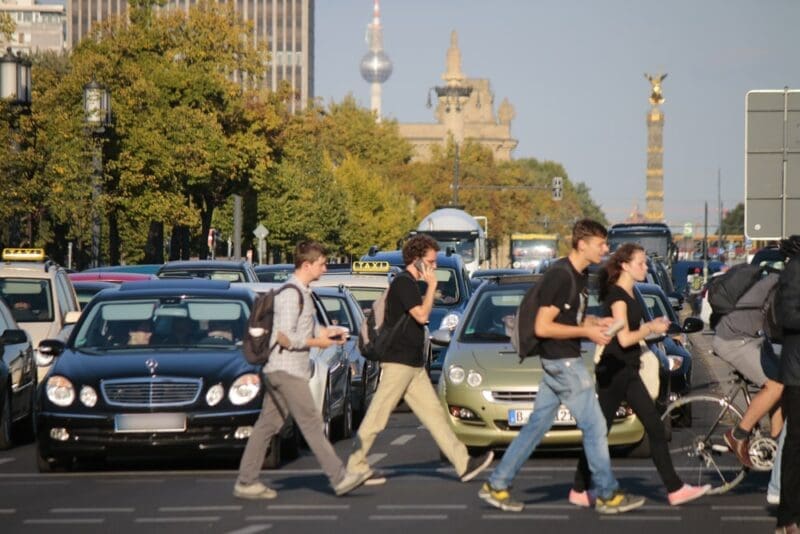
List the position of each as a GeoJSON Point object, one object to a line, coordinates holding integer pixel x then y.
{"type": "Point", "coordinates": [698, 451]}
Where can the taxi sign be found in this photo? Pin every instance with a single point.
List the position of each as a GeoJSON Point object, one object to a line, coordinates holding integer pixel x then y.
{"type": "Point", "coordinates": [23, 254]}
{"type": "Point", "coordinates": [371, 267]}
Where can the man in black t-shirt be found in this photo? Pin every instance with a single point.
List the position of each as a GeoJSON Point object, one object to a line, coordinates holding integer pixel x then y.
{"type": "Point", "coordinates": [403, 374]}
{"type": "Point", "coordinates": [561, 324]}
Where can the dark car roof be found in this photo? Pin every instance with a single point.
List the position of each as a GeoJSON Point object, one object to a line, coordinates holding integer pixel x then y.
{"type": "Point", "coordinates": [93, 284]}
{"type": "Point", "coordinates": [177, 287]}
{"type": "Point", "coordinates": [203, 264]}
{"type": "Point", "coordinates": [770, 254]}
{"type": "Point", "coordinates": [274, 267]}
{"type": "Point", "coordinates": [395, 257]}
{"type": "Point", "coordinates": [491, 273]}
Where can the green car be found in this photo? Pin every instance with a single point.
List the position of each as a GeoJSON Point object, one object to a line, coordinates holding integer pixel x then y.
{"type": "Point", "coordinates": [486, 390]}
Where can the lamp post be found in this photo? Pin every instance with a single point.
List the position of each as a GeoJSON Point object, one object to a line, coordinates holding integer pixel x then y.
{"type": "Point", "coordinates": [15, 89]}
{"type": "Point", "coordinates": [97, 115]}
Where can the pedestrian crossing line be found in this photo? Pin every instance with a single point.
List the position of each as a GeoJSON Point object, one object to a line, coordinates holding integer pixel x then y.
{"type": "Point", "coordinates": [374, 458]}
{"type": "Point", "coordinates": [750, 518]}
{"type": "Point", "coordinates": [225, 508]}
{"type": "Point", "coordinates": [422, 507]}
{"type": "Point", "coordinates": [133, 481]}
{"type": "Point", "coordinates": [64, 521]}
{"type": "Point", "coordinates": [723, 507]}
{"type": "Point", "coordinates": [292, 518]}
{"type": "Point", "coordinates": [640, 517]}
{"type": "Point", "coordinates": [402, 440]}
{"type": "Point", "coordinates": [92, 510]}
{"type": "Point", "coordinates": [526, 517]}
{"type": "Point", "coordinates": [8, 511]}
{"type": "Point", "coordinates": [308, 507]}
{"type": "Point", "coordinates": [182, 519]}
{"type": "Point", "coordinates": [7, 460]}
{"type": "Point", "coordinates": [252, 529]}
{"type": "Point", "coordinates": [416, 517]}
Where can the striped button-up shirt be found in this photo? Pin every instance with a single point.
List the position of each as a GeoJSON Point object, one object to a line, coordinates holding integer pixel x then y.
{"type": "Point", "coordinates": [298, 326]}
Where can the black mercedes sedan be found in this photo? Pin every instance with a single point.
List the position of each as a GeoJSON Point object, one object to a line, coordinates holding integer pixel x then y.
{"type": "Point", "coordinates": [152, 369]}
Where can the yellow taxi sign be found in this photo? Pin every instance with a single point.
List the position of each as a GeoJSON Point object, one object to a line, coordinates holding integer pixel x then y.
{"type": "Point", "coordinates": [23, 254]}
{"type": "Point", "coordinates": [371, 267]}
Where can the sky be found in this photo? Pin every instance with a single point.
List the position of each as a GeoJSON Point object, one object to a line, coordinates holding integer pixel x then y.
{"type": "Point", "coordinates": [574, 71]}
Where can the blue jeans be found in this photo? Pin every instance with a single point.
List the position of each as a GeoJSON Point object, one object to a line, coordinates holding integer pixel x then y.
{"type": "Point", "coordinates": [774, 487]}
{"type": "Point", "coordinates": [564, 382]}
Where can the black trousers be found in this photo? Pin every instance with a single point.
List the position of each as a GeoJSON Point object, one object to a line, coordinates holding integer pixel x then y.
{"type": "Point", "coordinates": [789, 508]}
{"type": "Point", "coordinates": [616, 382]}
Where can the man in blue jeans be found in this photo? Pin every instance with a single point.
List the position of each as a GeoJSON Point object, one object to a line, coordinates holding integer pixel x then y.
{"type": "Point", "coordinates": [560, 324]}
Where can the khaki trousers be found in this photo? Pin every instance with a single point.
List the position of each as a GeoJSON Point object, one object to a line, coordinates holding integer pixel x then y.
{"type": "Point", "coordinates": [413, 385]}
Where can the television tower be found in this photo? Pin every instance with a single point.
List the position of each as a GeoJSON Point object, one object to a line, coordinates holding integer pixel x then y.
{"type": "Point", "coordinates": [376, 67]}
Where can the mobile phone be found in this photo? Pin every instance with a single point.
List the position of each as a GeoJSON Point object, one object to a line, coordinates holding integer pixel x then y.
{"type": "Point", "coordinates": [615, 327]}
{"type": "Point", "coordinates": [420, 265]}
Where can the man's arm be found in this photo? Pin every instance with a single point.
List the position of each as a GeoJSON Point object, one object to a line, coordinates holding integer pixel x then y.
{"type": "Point", "coordinates": [547, 327]}
{"type": "Point", "coordinates": [422, 312]}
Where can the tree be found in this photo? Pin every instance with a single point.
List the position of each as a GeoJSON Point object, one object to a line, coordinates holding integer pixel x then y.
{"type": "Point", "coordinates": [7, 26]}
{"type": "Point", "coordinates": [733, 222]}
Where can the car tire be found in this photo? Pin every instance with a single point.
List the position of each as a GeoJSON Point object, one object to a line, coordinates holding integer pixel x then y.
{"type": "Point", "coordinates": [272, 460]}
{"type": "Point", "coordinates": [5, 424]}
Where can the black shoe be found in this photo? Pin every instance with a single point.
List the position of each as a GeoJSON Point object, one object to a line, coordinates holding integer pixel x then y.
{"type": "Point", "coordinates": [476, 465]}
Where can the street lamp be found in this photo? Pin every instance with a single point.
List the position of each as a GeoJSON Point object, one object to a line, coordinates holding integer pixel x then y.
{"type": "Point", "coordinates": [15, 78]}
{"type": "Point", "coordinates": [97, 115]}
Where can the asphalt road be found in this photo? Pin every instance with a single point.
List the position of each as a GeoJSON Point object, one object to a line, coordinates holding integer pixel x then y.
{"type": "Point", "coordinates": [422, 494]}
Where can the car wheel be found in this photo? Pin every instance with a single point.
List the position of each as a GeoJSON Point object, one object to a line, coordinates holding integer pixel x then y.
{"type": "Point", "coordinates": [273, 457]}
{"type": "Point", "coordinates": [5, 424]}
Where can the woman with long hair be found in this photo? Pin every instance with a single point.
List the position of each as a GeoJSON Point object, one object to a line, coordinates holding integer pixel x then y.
{"type": "Point", "coordinates": [617, 373]}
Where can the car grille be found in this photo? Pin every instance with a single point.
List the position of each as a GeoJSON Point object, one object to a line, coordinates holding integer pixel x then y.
{"type": "Point", "coordinates": [146, 392]}
{"type": "Point", "coordinates": [513, 396]}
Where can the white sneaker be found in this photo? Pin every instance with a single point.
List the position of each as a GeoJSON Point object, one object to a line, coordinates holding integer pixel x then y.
{"type": "Point", "coordinates": [773, 499]}
{"type": "Point", "coordinates": [256, 490]}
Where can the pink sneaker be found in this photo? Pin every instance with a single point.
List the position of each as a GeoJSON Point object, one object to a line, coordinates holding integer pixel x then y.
{"type": "Point", "coordinates": [584, 499]}
{"type": "Point", "coordinates": [687, 493]}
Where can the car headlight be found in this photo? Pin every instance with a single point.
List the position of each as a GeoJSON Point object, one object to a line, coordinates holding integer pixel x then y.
{"type": "Point", "coordinates": [244, 389]}
{"type": "Point", "coordinates": [60, 391]}
{"type": "Point", "coordinates": [450, 321]}
{"type": "Point", "coordinates": [215, 394]}
{"type": "Point", "coordinates": [42, 360]}
{"type": "Point", "coordinates": [456, 374]}
{"type": "Point", "coordinates": [675, 362]}
{"type": "Point", "coordinates": [474, 378]}
{"type": "Point", "coordinates": [88, 396]}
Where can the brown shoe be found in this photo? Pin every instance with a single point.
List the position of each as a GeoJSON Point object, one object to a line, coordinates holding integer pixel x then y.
{"type": "Point", "coordinates": [739, 447]}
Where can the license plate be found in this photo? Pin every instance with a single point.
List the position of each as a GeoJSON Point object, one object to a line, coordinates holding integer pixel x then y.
{"type": "Point", "coordinates": [150, 422]}
{"type": "Point", "coordinates": [520, 417]}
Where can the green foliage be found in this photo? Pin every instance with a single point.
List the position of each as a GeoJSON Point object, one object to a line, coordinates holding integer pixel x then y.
{"type": "Point", "coordinates": [733, 222]}
{"type": "Point", "coordinates": [7, 26]}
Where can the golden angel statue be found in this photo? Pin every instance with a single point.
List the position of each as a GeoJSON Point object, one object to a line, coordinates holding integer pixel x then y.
{"type": "Point", "coordinates": [656, 97]}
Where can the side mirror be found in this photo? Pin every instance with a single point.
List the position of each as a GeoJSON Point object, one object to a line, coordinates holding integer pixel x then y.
{"type": "Point", "coordinates": [72, 317]}
{"type": "Point", "coordinates": [441, 337]}
{"type": "Point", "coordinates": [692, 325]}
{"type": "Point", "coordinates": [47, 350]}
{"type": "Point", "coordinates": [14, 336]}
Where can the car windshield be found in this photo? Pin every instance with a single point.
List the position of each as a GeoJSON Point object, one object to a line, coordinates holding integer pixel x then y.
{"type": "Point", "coordinates": [209, 274]}
{"type": "Point", "coordinates": [273, 276]}
{"type": "Point", "coordinates": [170, 323]}
{"type": "Point", "coordinates": [464, 247]}
{"type": "Point", "coordinates": [488, 318]}
{"type": "Point", "coordinates": [447, 292]}
{"type": "Point", "coordinates": [29, 299]}
{"type": "Point", "coordinates": [657, 244]}
{"type": "Point", "coordinates": [366, 296]}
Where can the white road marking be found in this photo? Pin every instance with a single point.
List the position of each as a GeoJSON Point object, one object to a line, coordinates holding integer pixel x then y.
{"type": "Point", "coordinates": [427, 517]}
{"type": "Point", "coordinates": [641, 517]}
{"type": "Point", "coordinates": [252, 529]}
{"type": "Point", "coordinates": [6, 460]}
{"type": "Point", "coordinates": [525, 516]}
{"type": "Point", "coordinates": [36, 483]}
{"type": "Point", "coordinates": [308, 507]}
{"type": "Point", "coordinates": [92, 521]}
{"type": "Point", "coordinates": [735, 507]}
{"type": "Point", "coordinates": [198, 519]}
{"type": "Point", "coordinates": [91, 510]}
{"type": "Point", "coordinates": [402, 440]}
{"type": "Point", "coordinates": [374, 458]}
{"type": "Point", "coordinates": [422, 507]}
{"type": "Point", "coordinates": [227, 508]}
{"type": "Point", "coordinates": [764, 519]}
{"type": "Point", "coordinates": [6, 511]}
{"type": "Point", "coordinates": [292, 518]}
{"type": "Point", "coordinates": [133, 481]}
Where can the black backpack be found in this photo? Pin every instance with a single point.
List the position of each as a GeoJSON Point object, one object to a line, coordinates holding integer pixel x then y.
{"type": "Point", "coordinates": [725, 290]}
{"type": "Point", "coordinates": [374, 336]}
{"type": "Point", "coordinates": [521, 328]}
{"type": "Point", "coordinates": [255, 345]}
{"type": "Point", "coordinates": [772, 323]}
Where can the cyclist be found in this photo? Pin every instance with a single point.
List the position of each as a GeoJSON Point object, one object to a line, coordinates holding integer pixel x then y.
{"type": "Point", "coordinates": [739, 340]}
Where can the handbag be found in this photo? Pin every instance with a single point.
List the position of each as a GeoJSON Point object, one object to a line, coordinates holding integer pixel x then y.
{"type": "Point", "coordinates": [649, 370]}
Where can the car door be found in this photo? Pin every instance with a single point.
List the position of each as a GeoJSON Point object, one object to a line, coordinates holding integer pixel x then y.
{"type": "Point", "coordinates": [337, 366]}
{"type": "Point", "coordinates": [18, 357]}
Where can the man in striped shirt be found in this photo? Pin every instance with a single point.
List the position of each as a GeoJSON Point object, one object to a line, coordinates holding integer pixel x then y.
{"type": "Point", "coordinates": [294, 332]}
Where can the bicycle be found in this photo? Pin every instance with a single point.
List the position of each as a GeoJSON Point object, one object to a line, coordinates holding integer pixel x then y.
{"type": "Point", "coordinates": [699, 447]}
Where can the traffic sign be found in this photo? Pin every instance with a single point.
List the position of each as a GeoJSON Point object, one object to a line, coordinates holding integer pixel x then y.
{"type": "Point", "coordinates": [772, 164]}
{"type": "Point", "coordinates": [260, 232]}
{"type": "Point", "coordinates": [688, 231]}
